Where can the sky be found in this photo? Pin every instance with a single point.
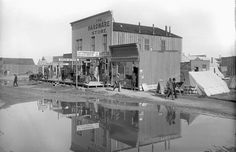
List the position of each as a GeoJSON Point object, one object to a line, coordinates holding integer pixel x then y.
{"type": "Point", "coordinates": [37, 28]}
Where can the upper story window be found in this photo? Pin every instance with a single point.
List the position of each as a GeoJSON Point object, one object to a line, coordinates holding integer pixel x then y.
{"type": "Point", "coordinates": [204, 67]}
{"type": "Point", "coordinates": [163, 45]}
{"type": "Point", "coordinates": [93, 43]}
{"type": "Point", "coordinates": [79, 44]}
{"type": "Point", "coordinates": [105, 42]}
{"type": "Point", "coordinates": [140, 43]}
{"type": "Point", "coordinates": [146, 44]}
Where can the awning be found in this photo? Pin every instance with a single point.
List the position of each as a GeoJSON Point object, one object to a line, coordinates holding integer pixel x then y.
{"type": "Point", "coordinates": [124, 53]}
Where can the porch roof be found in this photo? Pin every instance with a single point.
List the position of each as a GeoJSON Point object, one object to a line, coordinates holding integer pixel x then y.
{"type": "Point", "coordinates": [124, 52]}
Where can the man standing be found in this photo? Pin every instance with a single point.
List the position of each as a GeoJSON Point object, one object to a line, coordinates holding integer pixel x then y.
{"type": "Point", "coordinates": [169, 86]}
{"type": "Point", "coordinates": [15, 84]}
{"type": "Point", "coordinates": [174, 86]}
{"type": "Point", "coordinates": [117, 82]}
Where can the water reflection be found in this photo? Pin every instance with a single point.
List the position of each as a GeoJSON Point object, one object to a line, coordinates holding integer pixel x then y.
{"type": "Point", "coordinates": [103, 126]}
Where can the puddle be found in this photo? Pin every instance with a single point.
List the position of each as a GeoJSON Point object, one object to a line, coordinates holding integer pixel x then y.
{"type": "Point", "coordinates": [103, 126]}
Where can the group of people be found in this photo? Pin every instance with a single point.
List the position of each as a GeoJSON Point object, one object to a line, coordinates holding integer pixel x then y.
{"type": "Point", "coordinates": [171, 88]}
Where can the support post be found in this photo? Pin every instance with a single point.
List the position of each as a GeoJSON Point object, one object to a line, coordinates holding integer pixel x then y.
{"type": "Point", "coordinates": [76, 71]}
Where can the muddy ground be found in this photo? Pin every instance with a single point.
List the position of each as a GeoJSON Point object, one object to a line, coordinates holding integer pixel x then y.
{"type": "Point", "coordinates": [32, 91]}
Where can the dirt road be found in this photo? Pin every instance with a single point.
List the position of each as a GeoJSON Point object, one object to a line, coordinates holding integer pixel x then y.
{"type": "Point", "coordinates": [29, 91]}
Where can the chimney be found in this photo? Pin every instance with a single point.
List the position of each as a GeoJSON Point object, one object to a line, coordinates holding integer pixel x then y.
{"type": "Point", "coordinates": [139, 28]}
{"type": "Point", "coordinates": [153, 29]}
{"type": "Point", "coordinates": [166, 30]}
{"type": "Point", "coordinates": [169, 30]}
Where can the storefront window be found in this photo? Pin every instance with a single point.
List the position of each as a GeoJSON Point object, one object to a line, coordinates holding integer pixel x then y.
{"type": "Point", "coordinates": [140, 43]}
{"type": "Point", "coordinates": [79, 44]}
{"type": "Point", "coordinates": [93, 43]}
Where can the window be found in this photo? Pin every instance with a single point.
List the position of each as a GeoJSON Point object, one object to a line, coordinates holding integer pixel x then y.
{"type": "Point", "coordinates": [163, 45]}
{"type": "Point", "coordinates": [93, 43]}
{"type": "Point", "coordinates": [105, 42]}
{"type": "Point", "coordinates": [204, 67]}
{"type": "Point", "coordinates": [79, 44]}
{"type": "Point", "coordinates": [140, 43]}
{"type": "Point", "coordinates": [146, 46]}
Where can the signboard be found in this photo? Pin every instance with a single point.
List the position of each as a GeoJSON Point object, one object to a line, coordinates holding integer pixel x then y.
{"type": "Point", "coordinates": [92, 54]}
{"type": "Point", "coordinates": [87, 126]}
{"type": "Point", "coordinates": [85, 54]}
{"type": "Point", "coordinates": [67, 59]}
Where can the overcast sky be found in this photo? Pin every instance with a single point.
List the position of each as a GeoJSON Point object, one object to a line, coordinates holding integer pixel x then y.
{"type": "Point", "coordinates": [36, 28]}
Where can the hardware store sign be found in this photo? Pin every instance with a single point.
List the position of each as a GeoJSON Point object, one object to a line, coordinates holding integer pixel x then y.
{"type": "Point", "coordinates": [101, 24]}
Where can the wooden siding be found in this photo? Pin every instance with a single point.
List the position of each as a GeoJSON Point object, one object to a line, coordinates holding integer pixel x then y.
{"type": "Point", "coordinates": [156, 66]}
{"type": "Point", "coordinates": [80, 30]}
{"type": "Point", "coordinates": [155, 41]}
{"type": "Point", "coordinates": [18, 69]}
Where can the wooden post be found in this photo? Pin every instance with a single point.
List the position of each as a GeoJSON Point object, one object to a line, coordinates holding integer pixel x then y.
{"type": "Point", "coordinates": [76, 69]}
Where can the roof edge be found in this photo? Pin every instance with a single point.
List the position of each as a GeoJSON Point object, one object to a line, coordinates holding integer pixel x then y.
{"type": "Point", "coordinates": [173, 35]}
{"type": "Point", "coordinates": [91, 17]}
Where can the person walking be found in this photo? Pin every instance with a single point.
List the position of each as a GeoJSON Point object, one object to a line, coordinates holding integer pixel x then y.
{"type": "Point", "coordinates": [169, 86]}
{"type": "Point", "coordinates": [174, 87]}
{"type": "Point", "coordinates": [117, 82]}
{"type": "Point", "coordinates": [15, 84]}
{"type": "Point", "coordinates": [133, 81]}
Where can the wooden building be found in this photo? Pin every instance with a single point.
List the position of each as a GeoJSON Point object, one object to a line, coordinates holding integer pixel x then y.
{"type": "Point", "coordinates": [227, 65]}
{"type": "Point", "coordinates": [10, 66]}
{"type": "Point", "coordinates": [151, 53]}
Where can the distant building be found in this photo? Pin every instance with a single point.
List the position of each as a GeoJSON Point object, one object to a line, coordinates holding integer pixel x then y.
{"type": "Point", "coordinates": [193, 63]}
{"type": "Point", "coordinates": [151, 53]}
{"type": "Point", "coordinates": [227, 66]}
{"type": "Point", "coordinates": [10, 66]}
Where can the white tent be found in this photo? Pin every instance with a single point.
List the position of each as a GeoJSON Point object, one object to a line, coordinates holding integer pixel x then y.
{"type": "Point", "coordinates": [207, 82]}
{"type": "Point", "coordinates": [217, 72]}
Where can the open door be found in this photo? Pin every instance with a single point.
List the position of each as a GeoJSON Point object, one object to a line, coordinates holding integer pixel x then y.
{"type": "Point", "coordinates": [135, 69]}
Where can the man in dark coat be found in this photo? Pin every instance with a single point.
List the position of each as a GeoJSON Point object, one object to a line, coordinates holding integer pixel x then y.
{"type": "Point", "coordinates": [174, 86]}
{"type": "Point", "coordinates": [15, 84]}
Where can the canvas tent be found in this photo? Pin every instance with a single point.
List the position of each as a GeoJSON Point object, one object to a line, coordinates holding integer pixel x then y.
{"type": "Point", "coordinates": [208, 83]}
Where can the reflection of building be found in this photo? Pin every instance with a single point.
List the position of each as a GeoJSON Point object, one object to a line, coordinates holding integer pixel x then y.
{"type": "Point", "coordinates": [10, 66]}
{"type": "Point", "coordinates": [126, 129]}
{"type": "Point", "coordinates": [189, 117]}
{"type": "Point", "coordinates": [44, 105]}
{"type": "Point", "coordinates": [105, 46]}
